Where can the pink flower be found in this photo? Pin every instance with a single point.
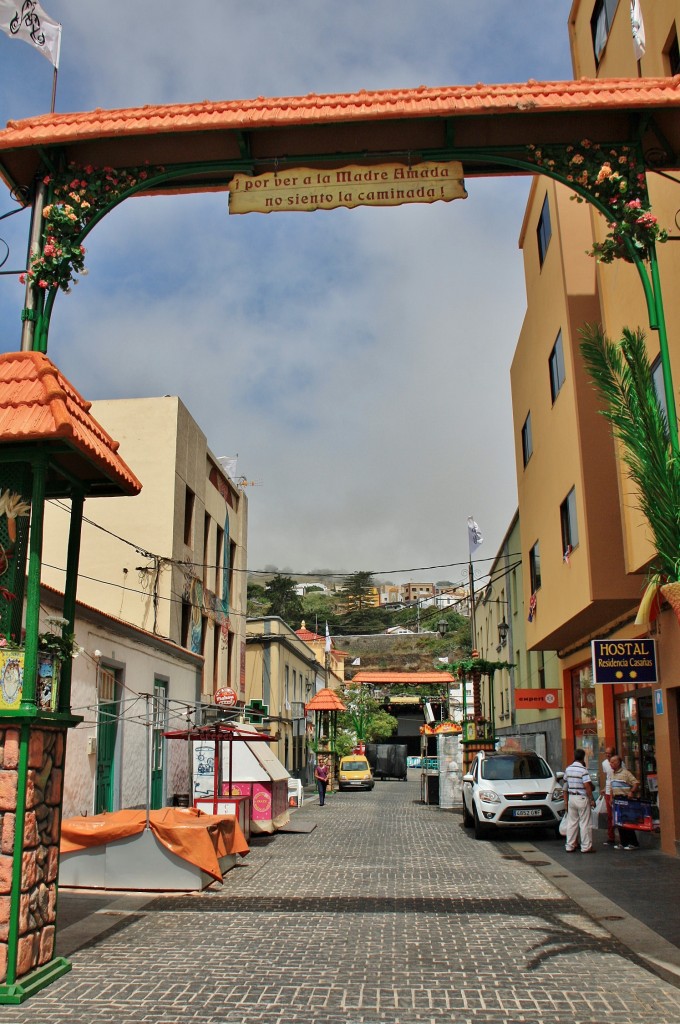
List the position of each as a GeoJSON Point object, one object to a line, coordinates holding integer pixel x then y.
{"type": "Point", "coordinates": [22, 279]}
{"type": "Point", "coordinates": [3, 641]}
{"type": "Point", "coordinates": [49, 250]}
{"type": "Point", "coordinates": [46, 180]}
{"type": "Point", "coordinates": [42, 283]}
{"type": "Point", "coordinates": [634, 204]}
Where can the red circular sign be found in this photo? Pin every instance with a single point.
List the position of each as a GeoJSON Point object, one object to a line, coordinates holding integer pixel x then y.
{"type": "Point", "coordinates": [226, 697]}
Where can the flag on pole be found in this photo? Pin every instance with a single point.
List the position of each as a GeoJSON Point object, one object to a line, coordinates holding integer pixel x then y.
{"type": "Point", "coordinates": [328, 640]}
{"type": "Point", "coordinates": [357, 661]}
{"type": "Point", "coordinates": [474, 535]}
{"type": "Point", "coordinates": [638, 29]}
{"type": "Point", "coordinates": [25, 19]}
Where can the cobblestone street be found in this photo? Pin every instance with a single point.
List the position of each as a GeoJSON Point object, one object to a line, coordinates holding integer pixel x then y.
{"type": "Point", "coordinates": [388, 912]}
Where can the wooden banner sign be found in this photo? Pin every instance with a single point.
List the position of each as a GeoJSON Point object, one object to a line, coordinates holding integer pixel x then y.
{"type": "Point", "coordinates": [303, 189]}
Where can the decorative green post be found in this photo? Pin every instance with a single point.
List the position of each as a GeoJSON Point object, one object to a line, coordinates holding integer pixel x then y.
{"type": "Point", "coordinates": [56, 450]}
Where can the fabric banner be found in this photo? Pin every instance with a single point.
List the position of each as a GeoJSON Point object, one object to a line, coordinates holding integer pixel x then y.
{"type": "Point", "coordinates": [474, 535]}
{"type": "Point", "coordinates": [25, 19]}
{"type": "Point", "coordinates": [638, 29]}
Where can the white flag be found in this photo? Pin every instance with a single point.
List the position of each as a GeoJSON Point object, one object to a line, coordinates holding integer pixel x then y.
{"type": "Point", "coordinates": [25, 19]}
{"type": "Point", "coordinates": [357, 661]}
{"type": "Point", "coordinates": [638, 29]}
{"type": "Point", "coordinates": [474, 535]}
{"type": "Point", "coordinates": [328, 640]}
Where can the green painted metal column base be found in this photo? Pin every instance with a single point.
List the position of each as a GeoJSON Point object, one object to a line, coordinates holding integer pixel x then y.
{"type": "Point", "coordinates": [31, 983]}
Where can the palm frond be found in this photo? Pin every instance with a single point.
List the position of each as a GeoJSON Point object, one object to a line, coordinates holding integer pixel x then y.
{"type": "Point", "coordinates": [622, 375]}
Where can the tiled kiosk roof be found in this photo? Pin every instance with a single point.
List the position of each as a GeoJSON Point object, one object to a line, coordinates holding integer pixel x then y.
{"type": "Point", "coordinates": [38, 405]}
{"type": "Point", "coordinates": [325, 700]}
{"type": "Point", "coordinates": [268, 133]}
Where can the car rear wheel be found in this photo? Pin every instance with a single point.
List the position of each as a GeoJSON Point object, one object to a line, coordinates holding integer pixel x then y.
{"type": "Point", "coordinates": [482, 830]}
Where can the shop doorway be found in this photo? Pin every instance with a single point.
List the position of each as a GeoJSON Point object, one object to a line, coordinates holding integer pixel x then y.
{"type": "Point", "coordinates": [635, 739]}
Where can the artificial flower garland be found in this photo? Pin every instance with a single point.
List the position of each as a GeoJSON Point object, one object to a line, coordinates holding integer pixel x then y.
{"type": "Point", "coordinates": [78, 195]}
{"type": "Point", "coordinates": [616, 178]}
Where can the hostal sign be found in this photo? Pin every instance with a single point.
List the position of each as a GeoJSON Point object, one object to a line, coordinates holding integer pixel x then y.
{"type": "Point", "coordinates": [624, 661]}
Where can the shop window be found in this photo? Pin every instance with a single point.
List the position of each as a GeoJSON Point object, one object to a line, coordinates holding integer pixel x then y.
{"type": "Point", "coordinates": [657, 380]}
{"type": "Point", "coordinates": [601, 24]}
{"type": "Point", "coordinates": [535, 568]}
{"type": "Point", "coordinates": [556, 367]}
{"type": "Point", "coordinates": [569, 523]}
{"type": "Point", "coordinates": [543, 231]}
{"type": "Point", "coordinates": [585, 718]}
{"type": "Point", "coordinates": [527, 440]}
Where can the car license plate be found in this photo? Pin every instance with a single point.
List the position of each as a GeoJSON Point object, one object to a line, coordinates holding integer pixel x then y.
{"type": "Point", "coordinates": [528, 812]}
{"type": "Point", "coordinates": [356, 783]}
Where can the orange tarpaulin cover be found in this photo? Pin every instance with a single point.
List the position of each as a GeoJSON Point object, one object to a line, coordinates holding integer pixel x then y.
{"type": "Point", "coordinates": [198, 838]}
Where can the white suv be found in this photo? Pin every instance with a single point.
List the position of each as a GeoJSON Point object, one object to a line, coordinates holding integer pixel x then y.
{"type": "Point", "coordinates": [511, 789]}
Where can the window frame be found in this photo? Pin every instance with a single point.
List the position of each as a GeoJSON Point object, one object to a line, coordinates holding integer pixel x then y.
{"type": "Point", "coordinates": [555, 365]}
{"type": "Point", "coordinates": [569, 522]}
{"type": "Point", "coordinates": [527, 439]}
{"type": "Point", "coordinates": [535, 567]}
{"type": "Point", "coordinates": [544, 231]}
{"type": "Point", "coordinates": [601, 21]}
{"type": "Point", "coordinates": [656, 369]}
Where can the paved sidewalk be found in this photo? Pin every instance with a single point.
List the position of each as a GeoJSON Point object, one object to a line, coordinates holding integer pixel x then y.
{"type": "Point", "coordinates": [388, 912]}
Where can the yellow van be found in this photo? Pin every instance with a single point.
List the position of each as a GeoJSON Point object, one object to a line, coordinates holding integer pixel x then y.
{"type": "Point", "coordinates": [355, 773]}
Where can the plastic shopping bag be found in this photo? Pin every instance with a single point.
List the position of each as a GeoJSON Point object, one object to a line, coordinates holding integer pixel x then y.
{"type": "Point", "coordinates": [563, 825]}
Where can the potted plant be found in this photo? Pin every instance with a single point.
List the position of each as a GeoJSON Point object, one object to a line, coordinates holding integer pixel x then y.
{"type": "Point", "coordinates": [622, 375]}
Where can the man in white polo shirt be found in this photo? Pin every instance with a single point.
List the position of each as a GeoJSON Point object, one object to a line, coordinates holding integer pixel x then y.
{"type": "Point", "coordinates": [578, 799]}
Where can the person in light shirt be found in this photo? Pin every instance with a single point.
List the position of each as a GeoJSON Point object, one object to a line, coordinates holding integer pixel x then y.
{"type": "Point", "coordinates": [578, 799]}
{"type": "Point", "coordinates": [624, 784]}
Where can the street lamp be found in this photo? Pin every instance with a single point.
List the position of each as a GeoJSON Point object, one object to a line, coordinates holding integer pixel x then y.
{"type": "Point", "coordinates": [442, 627]}
{"type": "Point", "coordinates": [503, 630]}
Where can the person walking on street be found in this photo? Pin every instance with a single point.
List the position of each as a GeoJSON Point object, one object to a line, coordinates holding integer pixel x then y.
{"type": "Point", "coordinates": [606, 767]}
{"type": "Point", "coordinates": [321, 774]}
{"type": "Point", "coordinates": [624, 784]}
{"type": "Point", "coordinates": [578, 799]}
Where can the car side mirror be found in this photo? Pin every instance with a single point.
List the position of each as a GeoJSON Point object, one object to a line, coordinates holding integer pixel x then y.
{"type": "Point", "coordinates": [559, 776]}
{"type": "Point", "coordinates": [468, 778]}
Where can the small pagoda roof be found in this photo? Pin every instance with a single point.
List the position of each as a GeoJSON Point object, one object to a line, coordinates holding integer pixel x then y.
{"type": "Point", "coordinates": [39, 407]}
{"type": "Point", "coordinates": [325, 700]}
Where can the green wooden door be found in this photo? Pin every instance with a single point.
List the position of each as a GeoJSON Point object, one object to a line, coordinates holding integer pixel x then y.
{"type": "Point", "coordinates": [158, 743]}
{"type": "Point", "coordinates": [107, 727]}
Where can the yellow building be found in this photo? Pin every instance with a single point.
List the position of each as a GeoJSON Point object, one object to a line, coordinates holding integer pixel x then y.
{"type": "Point", "coordinates": [283, 672]}
{"type": "Point", "coordinates": [585, 547]}
{"type": "Point", "coordinates": [172, 560]}
{"type": "Point", "coordinates": [526, 706]}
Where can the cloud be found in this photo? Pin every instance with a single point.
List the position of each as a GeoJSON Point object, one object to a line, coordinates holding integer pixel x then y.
{"type": "Point", "coordinates": [358, 360]}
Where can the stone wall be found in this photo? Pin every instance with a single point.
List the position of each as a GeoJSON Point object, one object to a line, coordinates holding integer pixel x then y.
{"type": "Point", "coordinates": [37, 899]}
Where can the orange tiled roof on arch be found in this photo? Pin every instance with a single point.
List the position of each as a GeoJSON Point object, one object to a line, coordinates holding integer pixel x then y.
{"type": "Point", "coordinates": [270, 132]}
{"type": "Point", "coordinates": [403, 678]}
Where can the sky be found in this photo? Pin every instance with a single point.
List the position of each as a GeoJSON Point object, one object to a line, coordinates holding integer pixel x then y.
{"type": "Point", "coordinates": [357, 361]}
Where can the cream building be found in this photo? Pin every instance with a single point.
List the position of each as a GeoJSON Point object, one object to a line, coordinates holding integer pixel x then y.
{"type": "Point", "coordinates": [171, 561]}
{"type": "Point", "coordinates": [282, 671]}
{"type": "Point", "coordinates": [526, 711]}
